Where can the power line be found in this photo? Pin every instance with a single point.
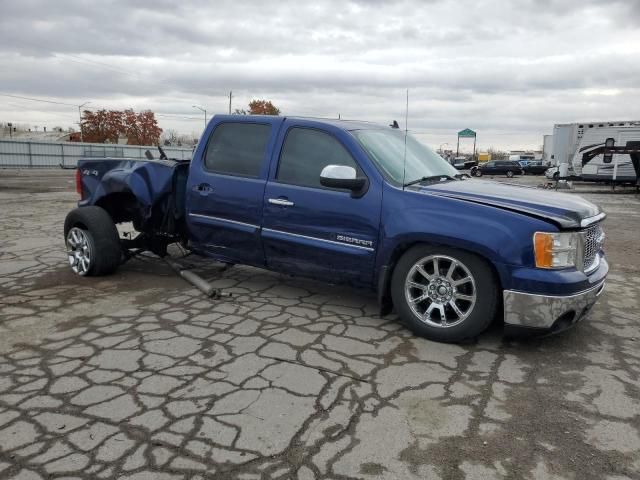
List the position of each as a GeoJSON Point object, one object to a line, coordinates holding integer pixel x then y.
{"type": "Point", "coordinates": [37, 100]}
{"type": "Point", "coordinates": [179, 117]}
{"type": "Point", "coordinates": [135, 75]}
{"type": "Point", "coordinates": [100, 107]}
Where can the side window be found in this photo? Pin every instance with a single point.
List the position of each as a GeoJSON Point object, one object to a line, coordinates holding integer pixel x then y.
{"type": "Point", "coordinates": [306, 152]}
{"type": "Point", "coordinates": [237, 148]}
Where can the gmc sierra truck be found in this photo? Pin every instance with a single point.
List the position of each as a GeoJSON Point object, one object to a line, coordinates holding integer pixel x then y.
{"type": "Point", "coordinates": [353, 203]}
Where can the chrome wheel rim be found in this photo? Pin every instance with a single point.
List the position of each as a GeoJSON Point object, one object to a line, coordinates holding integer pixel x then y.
{"type": "Point", "coordinates": [440, 291]}
{"type": "Point", "coordinates": [79, 250]}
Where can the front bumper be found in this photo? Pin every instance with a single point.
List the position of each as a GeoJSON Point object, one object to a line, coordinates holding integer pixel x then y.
{"type": "Point", "coordinates": [549, 313]}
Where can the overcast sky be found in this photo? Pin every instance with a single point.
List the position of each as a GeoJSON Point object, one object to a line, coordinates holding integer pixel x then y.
{"type": "Point", "coordinates": [507, 69]}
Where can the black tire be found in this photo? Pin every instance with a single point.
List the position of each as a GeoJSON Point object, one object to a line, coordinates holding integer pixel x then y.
{"type": "Point", "coordinates": [556, 175]}
{"type": "Point", "coordinates": [102, 234]}
{"type": "Point", "coordinates": [478, 172]}
{"type": "Point", "coordinates": [509, 174]}
{"type": "Point", "coordinates": [482, 313]}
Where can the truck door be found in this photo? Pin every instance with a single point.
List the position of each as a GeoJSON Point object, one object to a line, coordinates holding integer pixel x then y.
{"type": "Point", "coordinates": [226, 185]}
{"type": "Point", "coordinates": [312, 230]}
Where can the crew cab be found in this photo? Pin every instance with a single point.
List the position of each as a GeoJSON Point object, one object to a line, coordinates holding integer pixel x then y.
{"type": "Point", "coordinates": [352, 203]}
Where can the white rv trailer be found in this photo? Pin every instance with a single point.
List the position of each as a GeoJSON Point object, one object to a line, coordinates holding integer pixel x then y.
{"type": "Point", "coordinates": [571, 141]}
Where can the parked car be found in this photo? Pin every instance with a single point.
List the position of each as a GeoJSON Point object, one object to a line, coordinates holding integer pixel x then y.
{"type": "Point", "coordinates": [459, 163]}
{"type": "Point", "coordinates": [536, 167]}
{"type": "Point", "coordinates": [357, 204]}
{"type": "Point", "coordinates": [554, 173]}
{"type": "Point", "coordinates": [470, 163]}
{"type": "Point", "coordinates": [498, 167]}
{"type": "Point", "coordinates": [521, 158]}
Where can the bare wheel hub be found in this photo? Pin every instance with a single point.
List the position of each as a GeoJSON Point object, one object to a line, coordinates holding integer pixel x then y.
{"type": "Point", "coordinates": [440, 290]}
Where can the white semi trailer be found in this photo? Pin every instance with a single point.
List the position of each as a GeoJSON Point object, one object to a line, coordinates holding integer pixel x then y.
{"type": "Point", "coordinates": [547, 149]}
{"type": "Point", "coordinates": [573, 143]}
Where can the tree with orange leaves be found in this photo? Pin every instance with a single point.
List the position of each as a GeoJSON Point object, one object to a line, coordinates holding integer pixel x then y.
{"type": "Point", "coordinates": [263, 107]}
{"type": "Point", "coordinates": [106, 126]}
{"type": "Point", "coordinates": [102, 126]}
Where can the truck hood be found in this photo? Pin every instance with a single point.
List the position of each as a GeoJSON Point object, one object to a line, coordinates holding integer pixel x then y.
{"type": "Point", "coordinates": [564, 209]}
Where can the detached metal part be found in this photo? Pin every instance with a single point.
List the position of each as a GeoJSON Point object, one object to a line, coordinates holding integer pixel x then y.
{"type": "Point", "coordinates": [194, 279]}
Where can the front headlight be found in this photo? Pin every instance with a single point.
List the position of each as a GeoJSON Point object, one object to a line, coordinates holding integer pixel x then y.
{"type": "Point", "coordinates": [556, 250]}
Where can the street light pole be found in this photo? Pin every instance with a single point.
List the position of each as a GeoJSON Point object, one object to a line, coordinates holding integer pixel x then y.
{"type": "Point", "coordinates": [205, 114]}
{"type": "Point", "coordinates": [80, 117]}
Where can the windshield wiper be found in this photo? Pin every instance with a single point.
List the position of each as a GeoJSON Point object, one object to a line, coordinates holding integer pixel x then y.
{"type": "Point", "coordinates": [439, 178]}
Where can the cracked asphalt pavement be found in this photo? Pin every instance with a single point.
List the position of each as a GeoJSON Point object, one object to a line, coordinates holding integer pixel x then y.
{"type": "Point", "coordinates": [139, 376]}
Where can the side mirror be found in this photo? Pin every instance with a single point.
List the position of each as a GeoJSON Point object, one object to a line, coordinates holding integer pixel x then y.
{"type": "Point", "coordinates": [342, 176]}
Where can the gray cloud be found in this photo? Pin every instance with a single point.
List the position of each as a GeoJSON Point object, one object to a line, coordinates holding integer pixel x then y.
{"type": "Point", "coordinates": [508, 69]}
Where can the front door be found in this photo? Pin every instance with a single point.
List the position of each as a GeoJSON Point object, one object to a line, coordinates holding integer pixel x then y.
{"type": "Point", "coordinates": [226, 189]}
{"type": "Point", "coordinates": [312, 230]}
{"type": "Point", "coordinates": [490, 168]}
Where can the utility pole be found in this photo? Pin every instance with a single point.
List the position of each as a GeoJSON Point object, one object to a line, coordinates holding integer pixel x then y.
{"type": "Point", "coordinates": [80, 118]}
{"type": "Point", "coordinates": [204, 110]}
{"type": "Point", "coordinates": [230, 96]}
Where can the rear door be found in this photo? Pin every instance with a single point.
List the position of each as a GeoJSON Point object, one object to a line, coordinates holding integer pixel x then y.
{"type": "Point", "coordinates": [501, 167]}
{"type": "Point", "coordinates": [226, 185]}
{"type": "Point", "coordinates": [312, 230]}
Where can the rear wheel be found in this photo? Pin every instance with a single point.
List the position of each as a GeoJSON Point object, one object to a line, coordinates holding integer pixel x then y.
{"type": "Point", "coordinates": [92, 241]}
{"type": "Point", "coordinates": [478, 172]}
{"type": "Point", "coordinates": [556, 175]}
{"type": "Point", "coordinates": [444, 294]}
{"type": "Point", "coordinates": [509, 174]}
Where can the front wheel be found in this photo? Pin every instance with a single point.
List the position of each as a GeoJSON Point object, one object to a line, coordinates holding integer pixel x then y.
{"type": "Point", "coordinates": [478, 172]}
{"type": "Point", "coordinates": [509, 174]}
{"type": "Point", "coordinates": [92, 241]}
{"type": "Point", "coordinates": [444, 294]}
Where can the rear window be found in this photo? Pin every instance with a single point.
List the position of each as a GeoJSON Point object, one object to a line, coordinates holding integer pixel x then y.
{"type": "Point", "coordinates": [237, 149]}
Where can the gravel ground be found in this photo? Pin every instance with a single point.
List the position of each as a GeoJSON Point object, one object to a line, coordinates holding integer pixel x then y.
{"type": "Point", "coordinates": [139, 376]}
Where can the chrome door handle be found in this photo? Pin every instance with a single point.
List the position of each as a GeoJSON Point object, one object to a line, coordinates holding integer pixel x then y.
{"type": "Point", "coordinates": [281, 201]}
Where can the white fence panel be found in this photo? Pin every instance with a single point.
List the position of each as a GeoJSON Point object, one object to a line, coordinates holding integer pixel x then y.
{"type": "Point", "coordinates": [23, 154]}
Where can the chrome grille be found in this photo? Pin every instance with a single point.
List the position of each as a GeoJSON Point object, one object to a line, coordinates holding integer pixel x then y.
{"type": "Point", "coordinates": [593, 239]}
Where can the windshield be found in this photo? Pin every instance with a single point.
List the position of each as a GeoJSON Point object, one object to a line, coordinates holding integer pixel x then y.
{"type": "Point", "coordinates": [387, 149]}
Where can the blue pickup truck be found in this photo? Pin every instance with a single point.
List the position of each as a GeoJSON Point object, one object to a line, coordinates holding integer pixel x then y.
{"type": "Point", "coordinates": [353, 203]}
